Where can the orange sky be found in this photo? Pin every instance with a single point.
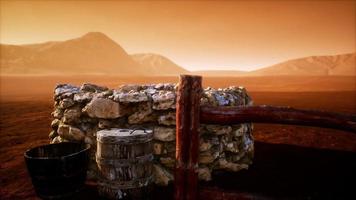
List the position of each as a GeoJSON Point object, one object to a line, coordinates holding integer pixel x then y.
{"type": "Point", "coordinates": [239, 35]}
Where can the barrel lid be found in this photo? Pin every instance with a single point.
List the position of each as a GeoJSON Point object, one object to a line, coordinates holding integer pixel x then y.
{"type": "Point", "coordinates": [117, 135]}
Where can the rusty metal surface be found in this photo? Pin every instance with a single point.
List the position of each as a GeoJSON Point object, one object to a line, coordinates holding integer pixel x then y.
{"type": "Point", "coordinates": [187, 137]}
{"type": "Point", "coordinates": [277, 115]}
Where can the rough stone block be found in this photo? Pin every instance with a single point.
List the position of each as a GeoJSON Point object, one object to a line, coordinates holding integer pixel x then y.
{"type": "Point", "coordinates": [88, 87]}
{"type": "Point", "coordinates": [161, 175]}
{"type": "Point", "coordinates": [103, 108]}
{"type": "Point", "coordinates": [164, 100]}
{"type": "Point", "coordinates": [167, 119]}
{"type": "Point", "coordinates": [67, 90]}
{"type": "Point", "coordinates": [142, 115]}
{"type": "Point", "coordinates": [218, 130]}
{"type": "Point", "coordinates": [70, 133]}
{"type": "Point", "coordinates": [72, 115]}
{"type": "Point", "coordinates": [164, 134]}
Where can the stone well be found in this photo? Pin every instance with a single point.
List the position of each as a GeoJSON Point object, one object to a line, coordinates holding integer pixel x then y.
{"type": "Point", "coordinates": [79, 112]}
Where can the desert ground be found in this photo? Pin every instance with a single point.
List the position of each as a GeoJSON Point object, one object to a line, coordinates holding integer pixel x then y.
{"type": "Point", "coordinates": [26, 104]}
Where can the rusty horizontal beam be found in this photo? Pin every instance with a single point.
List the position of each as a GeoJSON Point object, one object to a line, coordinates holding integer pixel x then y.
{"type": "Point", "coordinates": [215, 193]}
{"type": "Point", "coordinates": [277, 115]}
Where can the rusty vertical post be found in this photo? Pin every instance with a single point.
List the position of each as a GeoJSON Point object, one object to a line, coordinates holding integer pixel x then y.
{"type": "Point", "coordinates": [187, 137]}
{"type": "Point", "coordinates": [192, 176]}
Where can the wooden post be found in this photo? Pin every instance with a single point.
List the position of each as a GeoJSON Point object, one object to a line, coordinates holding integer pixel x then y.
{"type": "Point", "coordinates": [187, 137]}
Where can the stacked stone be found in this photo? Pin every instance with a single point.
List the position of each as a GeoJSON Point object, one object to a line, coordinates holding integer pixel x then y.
{"type": "Point", "coordinates": [82, 111]}
{"type": "Point", "coordinates": [230, 147]}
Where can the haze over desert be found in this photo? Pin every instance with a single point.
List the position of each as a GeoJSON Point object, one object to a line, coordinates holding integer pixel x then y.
{"type": "Point", "coordinates": [299, 54]}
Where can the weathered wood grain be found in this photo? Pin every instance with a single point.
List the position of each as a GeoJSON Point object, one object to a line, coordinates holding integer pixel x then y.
{"type": "Point", "coordinates": [277, 115]}
{"type": "Point", "coordinates": [187, 141]}
{"type": "Point", "coordinates": [124, 158]}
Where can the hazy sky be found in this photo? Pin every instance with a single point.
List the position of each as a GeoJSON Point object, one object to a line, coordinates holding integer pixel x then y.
{"type": "Point", "coordinates": [239, 35]}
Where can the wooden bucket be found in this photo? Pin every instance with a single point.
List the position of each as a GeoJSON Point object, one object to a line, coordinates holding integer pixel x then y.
{"type": "Point", "coordinates": [124, 158]}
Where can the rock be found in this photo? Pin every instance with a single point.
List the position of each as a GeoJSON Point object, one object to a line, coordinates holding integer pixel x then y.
{"type": "Point", "coordinates": [232, 96]}
{"type": "Point", "coordinates": [142, 115]}
{"type": "Point", "coordinates": [165, 86]}
{"type": "Point", "coordinates": [204, 145]}
{"type": "Point", "coordinates": [103, 108]}
{"type": "Point", "coordinates": [72, 115]}
{"type": "Point", "coordinates": [212, 139]}
{"type": "Point", "coordinates": [247, 142]}
{"type": "Point", "coordinates": [164, 100]}
{"type": "Point", "coordinates": [111, 123]}
{"type": "Point", "coordinates": [89, 120]}
{"type": "Point", "coordinates": [83, 97]}
{"type": "Point", "coordinates": [57, 113]}
{"type": "Point", "coordinates": [235, 157]}
{"type": "Point", "coordinates": [58, 139]}
{"type": "Point", "coordinates": [55, 140]}
{"type": "Point", "coordinates": [61, 139]}
{"type": "Point", "coordinates": [157, 148]}
{"type": "Point", "coordinates": [65, 90]}
{"type": "Point", "coordinates": [130, 87]}
{"type": "Point", "coordinates": [229, 166]}
{"type": "Point", "coordinates": [232, 147]}
{"type": "Point", "coordinates": [167, 162]}
{"type": "Point", "coordinates": [166, 148]}
{"type": "Point", "coordinates": [241, 130]}
{"type": "Point", "coordinates": [70, 133]}
{"type": "Point", "coordinates": [55, 123]}
{"type": "Point", "coordinates": [169, 147]}
{"type": "Point", "coordinates": [104, 124]}
{"type": "Point", "coordinates": [161, 176]}
{"type": "Point", "coordinates": [164, 134]}
{"type": "Point", "coordinates": [85, 126]}
{"type": "Point", "coordinates": [66, 103]}
{"type": "Point", "coordinates": [130, 97]}
{"type": "Point", "coordinates": [104, 94]}
{"type": "Point", "coordinates": [218, 129]}
{"type": "Point", "coordinates": [204, 174]}
{"type": "Point", "coordinates": [168, 119]}
{"type": "Point", "coordinates": [88, 87]}
{"type": "Point", "coordinates": [207, 157]}
{"type": "Point", "coordinates": [52, 134]}
{"type": "Point", "coordinates": [247, 159]}
{"type": "Point", "coordinates": [150, 90]}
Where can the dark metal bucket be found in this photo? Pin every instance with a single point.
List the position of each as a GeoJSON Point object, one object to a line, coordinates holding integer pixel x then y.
{"type": "Point", "coordinates": [58, 170]}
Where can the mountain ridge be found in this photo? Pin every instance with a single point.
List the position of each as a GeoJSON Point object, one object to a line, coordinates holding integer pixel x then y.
{"type": "Point", "coordinates": [158, 62]}
{"type": "Point", "coordinates": [96, 53]}
{"type": "Point", "coordinates": [92, 53]}
{"type": "Point", "coordinates": [340, 64]}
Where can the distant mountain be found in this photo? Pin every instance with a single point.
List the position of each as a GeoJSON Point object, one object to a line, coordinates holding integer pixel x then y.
{"type": "Point", "coordinates": [96, 53]}
{"type": "Point", "coordinates": [93, 53]}
{"type": "Point", "coordinates": [219, 73]}
{"type": "Point", "coordinates": [157, 64]}
{"type": "Point", "coordinates": [343, 65]}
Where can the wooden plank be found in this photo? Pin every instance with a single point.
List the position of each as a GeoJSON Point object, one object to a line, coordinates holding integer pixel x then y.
{"type": "Point", "coordinates": [187, 141]}
{"type": "Point", "coordinates": [277, 115]}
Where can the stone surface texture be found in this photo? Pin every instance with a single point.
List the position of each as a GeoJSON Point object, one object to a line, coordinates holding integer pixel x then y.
{"type": "Point", "coordinates": [80, 112]}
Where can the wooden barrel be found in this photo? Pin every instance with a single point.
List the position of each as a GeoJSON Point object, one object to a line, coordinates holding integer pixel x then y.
{"type": "Point", "coordinates": [124, 158]}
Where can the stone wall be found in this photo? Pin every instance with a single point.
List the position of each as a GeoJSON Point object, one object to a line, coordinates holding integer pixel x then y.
{"type": "Point", "coordinates": [79, 112]}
